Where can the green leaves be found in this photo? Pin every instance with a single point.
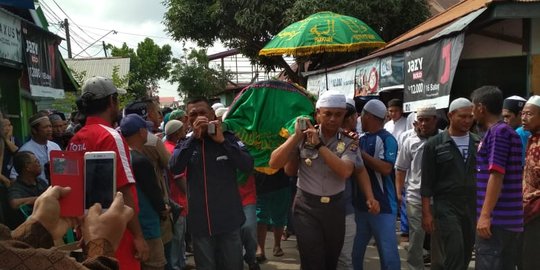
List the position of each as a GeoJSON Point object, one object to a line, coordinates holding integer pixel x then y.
{"type": "Point", "coordinates": [149, 63]}
{"type": "Point", "coordinates": [249, 24]}
{"type": "Point", "coordinates": [195, 77]}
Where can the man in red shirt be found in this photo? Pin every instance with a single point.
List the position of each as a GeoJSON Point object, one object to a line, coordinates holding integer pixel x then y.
{"type": "Point", "coordinates": [99, 102]}
{"type": "Point", "coordinates": [174, 132]}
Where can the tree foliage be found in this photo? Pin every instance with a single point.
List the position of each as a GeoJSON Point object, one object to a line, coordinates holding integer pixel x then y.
{"type": "Point", "coordinates": [249, 24]}
{"type": "Point", "coordinates": [149, 63]}
{"type": "Point", "coordinates": [195, 77]}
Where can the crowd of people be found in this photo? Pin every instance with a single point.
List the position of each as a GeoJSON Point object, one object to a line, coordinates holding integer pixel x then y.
{"type": "Point", "coordinates": [461, 182]}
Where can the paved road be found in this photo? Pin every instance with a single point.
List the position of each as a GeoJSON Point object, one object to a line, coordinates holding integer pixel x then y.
{"type": "Point", "coordinates": [291, 260]}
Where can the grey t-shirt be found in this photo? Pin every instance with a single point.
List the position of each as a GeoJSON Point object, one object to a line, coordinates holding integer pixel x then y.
{"type": "Point", "coordinates": [319, 179]}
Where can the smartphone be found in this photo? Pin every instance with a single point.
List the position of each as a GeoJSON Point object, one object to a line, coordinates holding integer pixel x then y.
{"type": "Point", "coordinates": [67, 170]}
{"type": "Point", "coordinates": [211, 128]}
{"type": "Point", "coordinates": [99, 178]}
{"type": "Point", "coordinates": [303, 123]}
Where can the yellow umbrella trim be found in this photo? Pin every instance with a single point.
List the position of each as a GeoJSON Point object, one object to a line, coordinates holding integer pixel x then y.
{"type": "Point", "coordinates": [315, 49]}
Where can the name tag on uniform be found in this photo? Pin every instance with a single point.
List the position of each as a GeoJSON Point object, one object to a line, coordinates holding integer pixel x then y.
{"type": "Point", "coordinates": [222, 158]}
{"type": "Point", "coordinates": [325, 199]}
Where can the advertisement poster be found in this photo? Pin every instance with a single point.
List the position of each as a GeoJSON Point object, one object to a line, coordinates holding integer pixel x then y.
{"type": "Point", "coordinates": [429, 72]}
{"type": "Point", "coordinates": [10, 40]}
{"type": "Point", "coordinates": [391, 71]}
{"type": "Point", "coordinates": [341, 80]}
{"type": "Point", "coordinates": [42, 60]}
{"type": "Point", "coordinates": [366, 78]}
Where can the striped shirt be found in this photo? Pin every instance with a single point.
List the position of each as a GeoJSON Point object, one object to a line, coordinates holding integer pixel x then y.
{"type": "Point", "coordinates": [500, 151]}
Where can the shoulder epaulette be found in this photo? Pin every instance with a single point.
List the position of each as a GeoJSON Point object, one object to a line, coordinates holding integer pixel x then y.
{"type": "Point", "coordinates": [349, 133]}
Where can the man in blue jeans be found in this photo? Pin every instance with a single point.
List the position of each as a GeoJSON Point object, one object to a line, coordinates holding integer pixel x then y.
{"type": "Point", "coordinates": [379, 149]}
{"type": "Point", "coordinates": [216, 214]}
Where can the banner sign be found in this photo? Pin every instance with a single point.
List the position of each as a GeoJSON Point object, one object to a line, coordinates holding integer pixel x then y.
{"type": "Point", "coordinates": [341, 80]}
{"type": "Point", "coordinates": [43, 63]}
{"type": "Point", "coordinates": [429, 72]}
{"type": "Point", "coordinates": [391, 70]}
{"type": "Point", "coordinates": [10, 40]}
{"type": "Point", "coordinates": [366, 78]}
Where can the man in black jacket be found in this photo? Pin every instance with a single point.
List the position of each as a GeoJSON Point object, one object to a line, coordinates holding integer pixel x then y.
{"type": "Point", "coordinates": [215, 215]}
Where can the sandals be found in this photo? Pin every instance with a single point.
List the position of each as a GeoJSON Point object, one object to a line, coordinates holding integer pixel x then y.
{"type": "Point", "coordinates": [278, 252]}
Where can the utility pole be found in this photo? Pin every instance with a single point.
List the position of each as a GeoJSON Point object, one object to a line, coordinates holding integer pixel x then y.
{"type": "Point", "coordinates": [104, 48]}
{"type": "Point", "coordinates": [112, 31]}
{"type": "Point", "coordinates": [68, 39]}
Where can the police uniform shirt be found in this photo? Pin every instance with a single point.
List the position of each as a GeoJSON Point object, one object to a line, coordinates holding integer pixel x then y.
{"type": "Point", "coordinates": [315, 176]}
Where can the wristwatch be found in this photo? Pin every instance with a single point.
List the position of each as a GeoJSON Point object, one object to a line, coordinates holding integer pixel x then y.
{"type": "Point", "coordinates": [318, 145]}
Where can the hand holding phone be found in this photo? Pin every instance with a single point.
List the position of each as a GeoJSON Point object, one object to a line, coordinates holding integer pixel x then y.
{"type": "Point", "coordinates": [215, 132]}
{"type": "Point", "coordinates": [211, 128]}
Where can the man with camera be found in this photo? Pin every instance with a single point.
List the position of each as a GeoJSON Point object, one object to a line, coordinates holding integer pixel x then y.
{"type": "Point", "coordinates": [211, 157]}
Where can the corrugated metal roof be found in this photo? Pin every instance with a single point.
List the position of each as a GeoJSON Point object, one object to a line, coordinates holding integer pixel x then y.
{"type": "Point", "coordinates": [99, 66]}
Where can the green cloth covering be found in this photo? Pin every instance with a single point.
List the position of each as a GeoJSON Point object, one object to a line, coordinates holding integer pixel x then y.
{"type": "Point", "coordinates": [259, 114]}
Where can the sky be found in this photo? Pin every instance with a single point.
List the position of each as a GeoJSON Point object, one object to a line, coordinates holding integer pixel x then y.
{"type": "Point", "coordinates": [134, 20]}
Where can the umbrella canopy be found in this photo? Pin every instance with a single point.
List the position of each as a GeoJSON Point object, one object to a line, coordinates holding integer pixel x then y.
{"type": "Point", "coordinates": [323, 32]}
{"type": "Point", "coordinates": [262, 116]}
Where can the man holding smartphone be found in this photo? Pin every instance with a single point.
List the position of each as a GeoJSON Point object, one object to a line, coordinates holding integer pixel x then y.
{"type": "Point", "coordinates": [99, 102]}
{"type": "Point", "coordinates": [216, 213]}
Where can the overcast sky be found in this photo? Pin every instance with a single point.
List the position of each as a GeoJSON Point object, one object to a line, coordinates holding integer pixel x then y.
{"type": "Point", "coordinates": [134, 20]}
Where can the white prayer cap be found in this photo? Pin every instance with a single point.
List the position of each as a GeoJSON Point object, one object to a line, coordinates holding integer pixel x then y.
{"type": "Point", "coordinates": [332, 99]}
{"type": "Point", "coordinates": [220, 112]}
{"type": "Point", "coordinates": [534, 100]}
{"type": "Point", "coordinates": [459, 103]}
{"type": "Point", "coordinates": [216, 106]}
{"type": "Point", "coordinates": [376, 107]}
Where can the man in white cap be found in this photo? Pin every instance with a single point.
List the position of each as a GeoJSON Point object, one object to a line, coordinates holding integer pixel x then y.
{"type": "Point", "coordinates": [323, 157]}
{"type": "Point", "coordinates": [511, 113]}
{"type": "Point", "coordinates": [40, 144]}
{"type": "Point", "coordinates": [530, 116]}
{"type": "Point", "coordinates": [410, 160]}
{"type": "Point", "coordinates": [99, 102]}
{"type": "Point", "coordinates": [358, 181]}
{"type": "Point", "coordinates": [174, 133]}
{"type": "Point", "coordinates": [379, 150]}
{"type": "Point", "coordinates": [449, 179]}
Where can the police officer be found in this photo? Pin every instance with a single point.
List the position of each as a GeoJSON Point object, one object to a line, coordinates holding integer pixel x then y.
{"type": "Point", "coordinates": [323, 157]}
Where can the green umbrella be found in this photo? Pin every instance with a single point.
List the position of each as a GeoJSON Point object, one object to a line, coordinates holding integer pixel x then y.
{"type": "Point", "coordinates": [323, 32]}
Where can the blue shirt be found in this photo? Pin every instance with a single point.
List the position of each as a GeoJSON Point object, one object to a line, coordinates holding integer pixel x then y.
{"type": "Point", "coordinates": [42, 153]}
{"type": "Point", "coordinates": [524, 136]}
{"type": "Point", "coordinates": [381, 145]}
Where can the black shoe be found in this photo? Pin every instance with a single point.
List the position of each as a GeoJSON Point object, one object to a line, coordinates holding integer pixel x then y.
{"type": "Point", "coordinates": [254, 266]}
{"type": "Point", "coordinates": [260, 258]}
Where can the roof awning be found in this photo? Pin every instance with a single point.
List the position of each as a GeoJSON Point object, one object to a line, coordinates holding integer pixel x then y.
{"type": "Point", "coordinates": [434, 34]}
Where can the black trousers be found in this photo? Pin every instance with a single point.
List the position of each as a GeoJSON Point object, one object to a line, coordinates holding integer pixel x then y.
{"type": "Point", "coordinates": [531, 245]}
{"type": "Point", "coordinates": [320, 228]}
{"type": "Point", "coordinates": [452, 241]}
